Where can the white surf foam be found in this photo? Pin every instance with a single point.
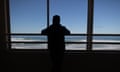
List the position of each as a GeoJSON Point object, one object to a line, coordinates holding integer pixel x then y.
{"type": "Point", "coordinates": [24, 40]}
{"type": "Point", "coordinates": [106, 40]}
{"type": "Point", "coordinates": [68, 46]}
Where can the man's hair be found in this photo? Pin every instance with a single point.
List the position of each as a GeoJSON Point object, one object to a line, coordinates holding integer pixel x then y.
{"type": "Point", "coordinates": [56, 19]}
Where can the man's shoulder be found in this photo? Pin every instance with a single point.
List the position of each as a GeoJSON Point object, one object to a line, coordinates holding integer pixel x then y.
{"type": "Point", "coordinates": [51, 29]}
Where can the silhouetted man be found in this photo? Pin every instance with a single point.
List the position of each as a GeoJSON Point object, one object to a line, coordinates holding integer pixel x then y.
{"type": "Point", "coordinates": [56, 44]}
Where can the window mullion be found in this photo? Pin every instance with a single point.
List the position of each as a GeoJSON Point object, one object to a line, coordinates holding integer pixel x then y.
{"type": "Point", "coordinates": [90, 24]}
{"type": "Point", "coordinates": [48, 12]}
{"type": "Point", "coordinates": [4, 24]}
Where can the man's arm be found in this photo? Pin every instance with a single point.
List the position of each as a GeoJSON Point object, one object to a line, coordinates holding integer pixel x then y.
{"type": "Point", "coordinates": [44, 32]}
{"type": "Point", "coordinates": [66, 31]}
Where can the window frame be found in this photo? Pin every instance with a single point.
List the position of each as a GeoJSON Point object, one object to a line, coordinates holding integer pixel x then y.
{"type": "Point", "coordinates": [5, 33]}
{"type": "Point", "coordinates": [4, 25]}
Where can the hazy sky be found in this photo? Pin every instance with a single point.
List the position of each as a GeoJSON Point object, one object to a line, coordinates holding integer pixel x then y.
{"type": "Point", "coordinates": [30, 15]}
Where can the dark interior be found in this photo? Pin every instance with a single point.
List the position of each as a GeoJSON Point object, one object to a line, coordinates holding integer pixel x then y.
{"type": "Point", "coordinates": [21, 61]}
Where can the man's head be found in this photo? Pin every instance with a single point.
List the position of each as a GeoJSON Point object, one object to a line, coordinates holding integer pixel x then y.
{"type": "Point", "coordinates": [56, 20]}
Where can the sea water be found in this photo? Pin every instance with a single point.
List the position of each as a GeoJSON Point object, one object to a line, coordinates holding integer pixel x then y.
{"type": "Point", "coordinates": [67, 39]}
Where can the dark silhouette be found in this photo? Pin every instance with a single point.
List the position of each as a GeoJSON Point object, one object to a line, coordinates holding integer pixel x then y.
{"type": "Point", "coordinates": [56, 44]}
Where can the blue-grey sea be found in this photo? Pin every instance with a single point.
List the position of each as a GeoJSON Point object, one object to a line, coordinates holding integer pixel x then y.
{"type": "Point", "coordinates": [67, 39]}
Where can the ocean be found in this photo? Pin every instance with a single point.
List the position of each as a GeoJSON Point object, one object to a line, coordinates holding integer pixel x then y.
{"type": "Point", "coordinates": [67, 39]}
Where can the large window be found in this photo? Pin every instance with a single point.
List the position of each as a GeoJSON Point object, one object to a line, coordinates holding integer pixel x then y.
{"type": "Point", "coordinates": [31, 17]}
{"type": "Point", "coordinates": [94, 24]}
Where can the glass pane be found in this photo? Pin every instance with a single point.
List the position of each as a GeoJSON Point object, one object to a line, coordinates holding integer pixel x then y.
{"type": "Point", "coordinates": [28, 46]}
{"type": "Point", "coordinates": [27, 16]}
{"type": "Point", "coordinates": [107, 16]}
{"type": "Point", "coordinates": [73, 14]}
{"type": "Point", "coordinates": [106, 47]}
{"type": "Point", "coordinates": [75, 46]}
{"type": "Point", "coordinates": [29, 39]}
{"type": "Point", "coordinates": [108, 39]}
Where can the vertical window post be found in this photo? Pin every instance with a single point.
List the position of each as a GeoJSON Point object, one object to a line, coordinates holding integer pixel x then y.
{"type": "Point", "coordinates": [8, 28]}
{"type": "Point", "coordinates": [4, 24]}
{"type": "Point", "coordinates": [90, 24]}
{"type": "Point", "coordinates": [48, 12]}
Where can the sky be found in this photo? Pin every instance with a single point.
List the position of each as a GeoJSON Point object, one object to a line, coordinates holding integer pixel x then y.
{"type": "Point", "coordinates": [29, 16]}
